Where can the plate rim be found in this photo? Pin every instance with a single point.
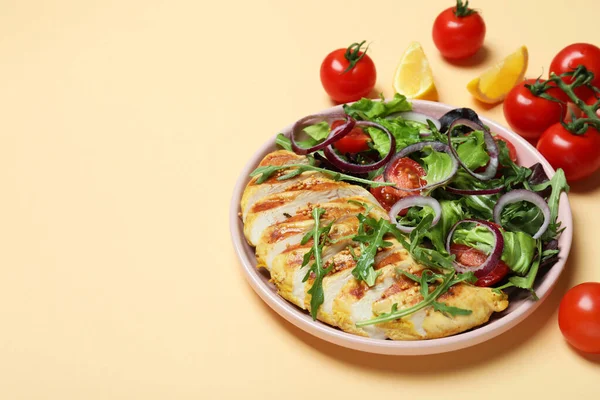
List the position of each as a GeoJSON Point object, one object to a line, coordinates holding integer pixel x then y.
{"type": "Point", "coordinates": [477, 335]}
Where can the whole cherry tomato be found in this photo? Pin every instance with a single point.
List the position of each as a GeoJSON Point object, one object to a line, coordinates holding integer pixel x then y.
{"type": "Point", "coordinates": [530, 115]}
{"type": "Point", "coordinates": [578, 54]}
{"type": "Point", "coordinates": [579, 317]}
{"type": "Point", "coordinates": [458, 32]}
{"type": "Point", "coordinates": [577, 155]}
{"type": "Point", "coordinates": [348, 74]}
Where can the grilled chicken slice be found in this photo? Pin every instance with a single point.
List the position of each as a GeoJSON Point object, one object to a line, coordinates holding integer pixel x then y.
{"type": "Point", "coordinates": [277, 215]}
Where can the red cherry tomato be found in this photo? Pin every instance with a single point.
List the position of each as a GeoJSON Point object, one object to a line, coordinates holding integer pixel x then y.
{"type": "Point", "coordinates": [579, 317]}
{"type": "Point", "coordinates": [342, 81]}
{"type": "Point", "coordinates": [407, 173]}
{"type": "Point", "coordinates": [578, 54]}
{"type": "Point", "coordinates": [530, 115]}
{"type": "Point", "coordinates": [472, 257]}
{"type": "Point", "coordinates": [354, 142]}
{"type": "Point", "coordinates": [592, 100]}
{"type": "Point", "coordinates": [577, 155]}
{"type": "Point", "coordinates": [512, 150]}
{"type": "Point", "coordinates": [458, 32]}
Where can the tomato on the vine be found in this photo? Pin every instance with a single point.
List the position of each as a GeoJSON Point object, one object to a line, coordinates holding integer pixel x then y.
{"type": "Point", "coordinates": [348, 74]}
{"type": "Point", "coordinates": [354, 142]}
{"type": "Point", "coordinates": [579, 317]}
{"type": "Point", "coordinates": [574, 55]}
{"type": "Point", "coordinates": [472, 257]}
{"type": "Point", "coordinates": [577, 155]}
{"type": "Point", "coordinates": [407, 173]}
{"type": "Point", "coordinates": [530, 115]}
{"type": "Point", "coordinates": [458, 32]}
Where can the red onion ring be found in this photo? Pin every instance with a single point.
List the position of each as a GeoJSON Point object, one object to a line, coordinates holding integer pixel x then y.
{"type": "Point", "coordinates": [515, 196]}
{"type": "Point", "coordinates": [410, 201]}
{"type": "Point", "coordinates": [437, 146]}
{"type": "Point", "coordinates": [490, 143]}
{"type": "Point", "coordinates": [474, 192]}
{"type": "Point", "coordinates": [346, 166]}
{"type": "Point", "coordinates": [490, 263]}
{"type": "Point", "coordinates": [335, 134]}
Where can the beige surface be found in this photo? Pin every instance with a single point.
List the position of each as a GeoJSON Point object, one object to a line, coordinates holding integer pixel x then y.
{"type": "Point", "coordinates": [123, 126]}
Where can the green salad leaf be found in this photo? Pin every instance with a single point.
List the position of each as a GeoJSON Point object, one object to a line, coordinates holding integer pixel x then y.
{"type": "Point", "coordinates": [370, 238]}
{"type": "Point", "coordinates": [437, 164]}
{"type": "Point", "coordinates": [367, 109]}
{"type": "Point", "coordinates": [319, 236]}
{"type": "Point", "coordinates": [404, 133]}
{"type": "Point", "coordinates": [472, 151]}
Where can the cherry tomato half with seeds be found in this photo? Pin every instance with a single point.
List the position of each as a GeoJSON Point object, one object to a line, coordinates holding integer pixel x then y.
{"type": "Point", "coordinates": [458, 32]}
{"type": "Point", "coordinates": [348, 74]}
{"type": "Point", "coordinates": [472, 257]}
{"type": "Point", "coordinates": [574, 55]}
{"type": "Point", "coordinates": [407, 173]}
{"type": "Point", "coordinates": [354, 142]}
{"type": "Point", "coordinates": [577, 155]}
{"type": "Point", "coordinates": [579, 317]}
{"type": "Point", "coordinates": [530, 115]}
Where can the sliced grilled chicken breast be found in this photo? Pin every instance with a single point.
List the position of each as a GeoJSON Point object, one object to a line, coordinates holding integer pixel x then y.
{"type": "Point", "coordinates": [277, 215]}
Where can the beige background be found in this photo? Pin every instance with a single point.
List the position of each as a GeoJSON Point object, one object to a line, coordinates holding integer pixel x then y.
{"type": "Point", "coordinates": [123, 125]}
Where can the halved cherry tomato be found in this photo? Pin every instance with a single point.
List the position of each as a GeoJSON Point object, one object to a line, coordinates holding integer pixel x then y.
{"type": "Point", "coordinates": [407, 173]}
{"type": "Point", "coordinates": [354, 142]}
{"type": "Point", "coordinates": [472, 257]}
{"type": "Point", "coordinates": [579, 317]}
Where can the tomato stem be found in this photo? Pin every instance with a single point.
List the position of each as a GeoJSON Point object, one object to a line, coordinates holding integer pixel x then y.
{"type": "Point", "coordinates": [354, 55]}
{"type": "Point", "coordinates": [463, 10]}
{"type": "Point", "coordinates": [580, 77]}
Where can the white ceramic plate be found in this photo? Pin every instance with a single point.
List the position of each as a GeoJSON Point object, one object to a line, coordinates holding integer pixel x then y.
{"type": "Point", "coordinates": [520, 306]}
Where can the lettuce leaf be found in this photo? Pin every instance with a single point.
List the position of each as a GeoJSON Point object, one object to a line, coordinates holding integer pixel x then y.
{"type": "Point", "coordinates": [437, 164]}
{"type": "Point", "coordinates": [472, 150]}
{"type": "Point", "coordinates": [367, 109]}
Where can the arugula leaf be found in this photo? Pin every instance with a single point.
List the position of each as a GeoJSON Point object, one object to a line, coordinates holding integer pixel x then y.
{"type": "Point", "coordinates": [513, 174]}
{"type": "Point", "coordinates": [444, 281]}
{"type": "Point", "coordinates": [472, 150]}
{"type": "Point", "coordinates": [370, 238]}
{"type": "Point", "coordinates": [522, 216]}
{"type": "Point", "coordinates": [437, 164]}
{"type": "Point", "coordinates": [319, 236]}
{"type": "Point", "coordinates": [367, 109]}
{"type": "Point", "coordinates": [559, 185]}
{"type": "Point", "coordinates": [527, 281]}
{"type": "Point", "coordinates": [284, 142]}
{"type": "Point", "coordinates": [266, 171]}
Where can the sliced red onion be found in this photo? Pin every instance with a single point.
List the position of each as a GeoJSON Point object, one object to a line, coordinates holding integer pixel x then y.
{"type": "Point", "coordinates": [417, 117]}
{"type": "Point", "coordinates": [474, 192]}
{"type": "Point", "coordinates": [346, 166]}
{"type": "Point", "coordinates": [437, 146]}
{"type": "Point", "coordinates": [515, 196]}
{"type": "Point", "coordinates": [490, 144]}
{"type": "Point", "coordinates": [411, 201]}
{"type": "Point", "coordinates": [336, 134]}
{"type": "Point", "coordinates": [493, 258]}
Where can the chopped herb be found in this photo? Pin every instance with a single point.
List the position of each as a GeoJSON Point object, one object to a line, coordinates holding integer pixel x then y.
{"type": "Point", "coordinates": [319, 236]}
{"type": "Point", "coordinates": [370, 238]}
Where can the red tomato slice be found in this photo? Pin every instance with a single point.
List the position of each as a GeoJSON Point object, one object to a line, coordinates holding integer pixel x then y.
{"type": "Point", "coordinates": [471, 257]}
{"type": "Point", "coordinates": [407, 173]}
{"type": "Point", "coordinates": [354, 142]}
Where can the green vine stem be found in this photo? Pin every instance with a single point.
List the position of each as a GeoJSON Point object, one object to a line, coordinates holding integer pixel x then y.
{"type": "Point", "coordinates": [463, 10]}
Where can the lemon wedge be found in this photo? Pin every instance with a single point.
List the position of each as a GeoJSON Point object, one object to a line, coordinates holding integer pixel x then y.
{"type": "Point", "coordinates": [413, 77]}
{"type": "Point", "coordinates": [494, 84]}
